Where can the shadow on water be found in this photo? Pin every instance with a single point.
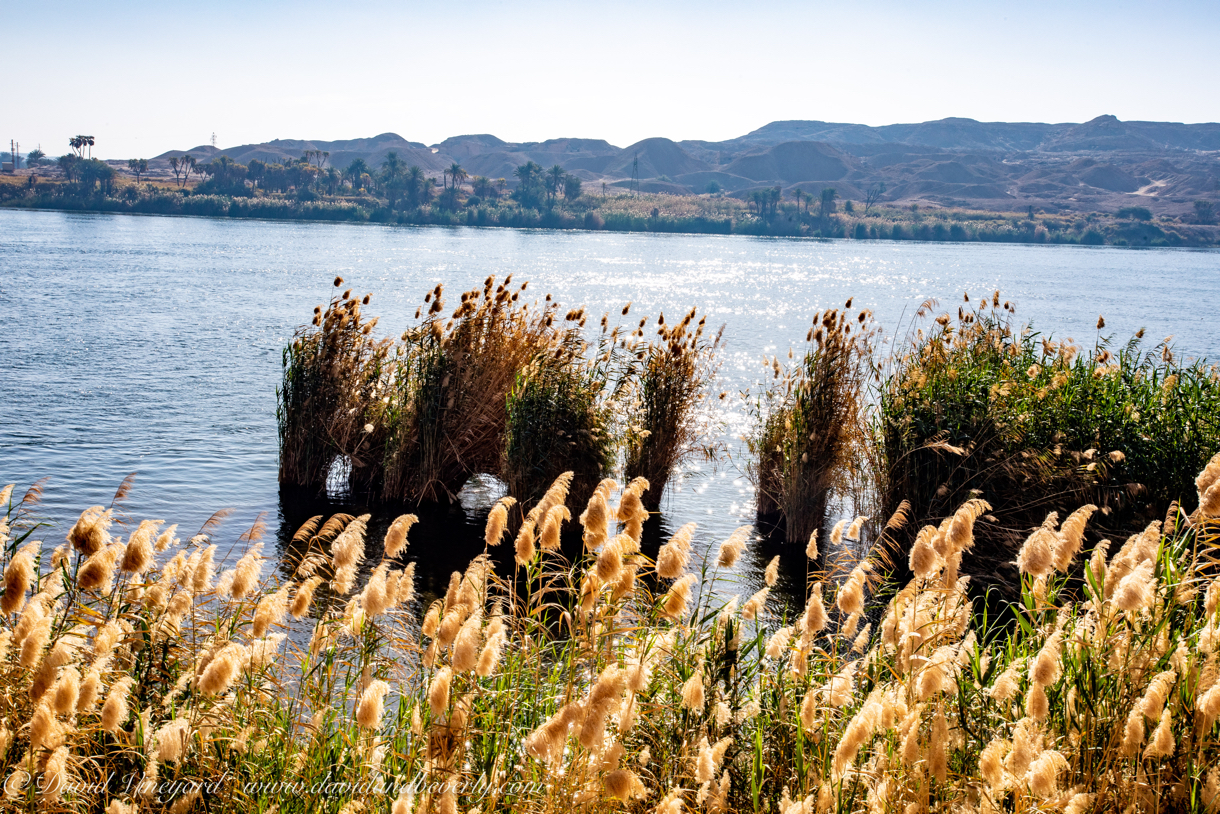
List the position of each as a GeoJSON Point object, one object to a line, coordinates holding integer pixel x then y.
{"type": "Point", "coordinates": [448, 537]}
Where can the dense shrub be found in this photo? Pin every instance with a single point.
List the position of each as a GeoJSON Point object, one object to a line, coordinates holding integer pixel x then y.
{"type": "Point", "coordinates": [981, 406]}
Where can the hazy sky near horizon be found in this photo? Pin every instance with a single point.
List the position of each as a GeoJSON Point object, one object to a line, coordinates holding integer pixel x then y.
{"type": "Point", "coordinates": [146, 77]}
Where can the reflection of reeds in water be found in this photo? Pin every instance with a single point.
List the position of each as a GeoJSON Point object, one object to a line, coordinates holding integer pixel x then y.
{"type": "Point", "coordinates": [810, 425]}
{"type": "Point", "coordinates": [116, 664]}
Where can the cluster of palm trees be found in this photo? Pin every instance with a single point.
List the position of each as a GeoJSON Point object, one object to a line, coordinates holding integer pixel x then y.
{"type": "Point", "coordinates": [183, 166]}
{"type": "Point", "coordinates": [537, 186]}
{"type": "Point", "coordinates": [79, 143]}
{"type": "Point", "coordinates": [400, 183]}
{"type": "Point", "coordinates": [765, 202]}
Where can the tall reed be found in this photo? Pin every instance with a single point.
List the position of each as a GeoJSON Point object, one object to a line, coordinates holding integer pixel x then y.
{"type": "Point", "coordinates": [487, 388]}
{"type": "Point", "coordinates": [810, 424]}
{"type": "Point", "coordinates": [449, 379]}
{"type": "Point", "coordinates": [667, 421]}
{"type": "Point", "coordinates": [561, 415]}
{"type": "Point", "coordinates": [329, 403]}
{"type": "Point", "coordinates": [136, 680]}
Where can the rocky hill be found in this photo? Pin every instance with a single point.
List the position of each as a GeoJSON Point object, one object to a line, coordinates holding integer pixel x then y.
{"type": "Point", "coordinates": [1100, 164]}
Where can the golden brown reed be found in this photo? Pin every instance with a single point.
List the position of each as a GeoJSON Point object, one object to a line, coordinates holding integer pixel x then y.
{"type": "Point", "coordinates": [1106, 701]}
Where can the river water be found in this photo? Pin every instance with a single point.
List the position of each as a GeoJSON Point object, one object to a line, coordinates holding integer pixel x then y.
{"type": "Point", "coordinates": [153, 344]}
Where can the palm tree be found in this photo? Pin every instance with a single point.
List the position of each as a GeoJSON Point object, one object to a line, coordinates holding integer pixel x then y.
{"type": "Point", "coordinates": [456, 174]}
{"type": "Point", "coordinates": [139, 166]}
{"type": "Point", "coordinates": [827, 202]}
{"type": "Point", "coordinates": [555, 174]}
{"type": "Point", "coordinates": [529, 188]}
{"type": "Point", "coordinates": [393, 170]}
{"type": "Point", "coordinates": [355, 171]}
{"type": "Point", "coordinates": [415, 183]}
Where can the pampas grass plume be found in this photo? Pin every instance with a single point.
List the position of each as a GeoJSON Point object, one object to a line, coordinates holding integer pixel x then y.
{"type": "Point", "coordinates": [370, 708]}
{"type": "Point", "coordinates": [90, 534]}
{"type": "Point", "coordinates": [552, 524]}
{"type": "Point", "coordinates": [1161, 744]}
{"type": "Point", "coordinates": [54, 776]}
{"type": "Point", "coordinates": [303, 598]}
{"type": "Point", "coordinates": [270, 611]}
{"type": "Point", "coordinates": [1005, 686]}
{"type": "Point", "coordinates": [623, 784]}
{"type": "Point", "coordinates": [771, 573]}
{"type": "Point", "coordinates": [778, 643]}
{"type": "Point", "coordinates": [525, 544]}
{"type": "Point", "coordinates": [223, 669]}
{"type": "Point", "coordinates": [732, 548]}
{"type": "Point", "coordinates": [66, 691]}
{"type": "Point", "coordinates": [815, 618]}
{"type": "Point", "coordinates": [114, 711]}
{"type": "Point", "coordinates": [675, 554]}
{"type": "Point", "coordinates": [166, 539]}
{"type": "Point", "coordinates": [755, 605]}
{"type": "Point", "coordinates": [87, 697]}
{"type": "Point", "coordinates": [138, 555]}
{"type": "Point", "coordinates": [1137, 589]}
{"type": "Point", "coordinates": [247, 573]}
{"type": "Point", "coordinates": [18, 576]}
{"type": "Point", "coordinates": [673, 606]}
{"type": "Point", "coordinates": [692, 692]}
{"type": "Point", "coordinates": [1036, 556]}
{"type": "Point", "coordinates": [466, 645]}
{"type": "Point", "coordinates": [172, 740]}
{"type": "Point", "coordinates": [1036, 704]}
{"type": "Point", "coordinates": [1046, 667]}
{"type": "Point", "coordinates": [438, 691]}
{"type": "Point", "coordinates": [396, 534]}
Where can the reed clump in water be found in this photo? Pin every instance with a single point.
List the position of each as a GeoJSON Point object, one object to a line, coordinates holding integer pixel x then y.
{"type": "Point", "coordinates": [980, 405]}
{"type": "Point", "coordinates": [642, 700]}
{"type": "Point", "coordinates": [559, 420]}
{"type": "Point", "coordinates": [498, 386]}
{"type": "Point", "coordinates": [329, 402]}
{"type": "Point", "coordinates": [667, 417]}
{"type": "Point", "coordinates": [811, 424]}
{"type": "Point", "coordinates": [449, 380]}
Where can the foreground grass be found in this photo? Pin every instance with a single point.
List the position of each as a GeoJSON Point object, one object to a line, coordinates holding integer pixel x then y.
{"type": "Point", "coordinates": [133, 679]}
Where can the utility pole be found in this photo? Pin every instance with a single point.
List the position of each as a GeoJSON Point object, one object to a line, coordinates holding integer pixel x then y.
{"type": "Point", "coordinates": [635, 175]}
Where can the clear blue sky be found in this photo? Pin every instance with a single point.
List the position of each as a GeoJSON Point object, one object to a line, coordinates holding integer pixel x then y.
{"type": "Point", "coordinates": [145, 77]}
